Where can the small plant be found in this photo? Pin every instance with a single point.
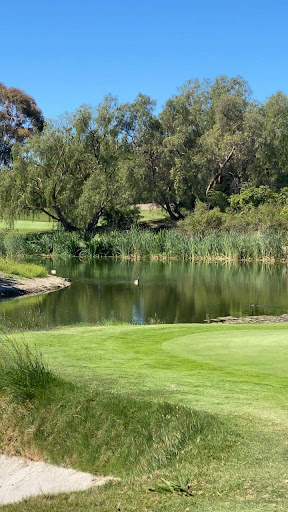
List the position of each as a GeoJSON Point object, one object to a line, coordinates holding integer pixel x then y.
{"type": "Point", "coordinates": [22, 372]}
{"type": "Point", "coordinates": [183, 489]}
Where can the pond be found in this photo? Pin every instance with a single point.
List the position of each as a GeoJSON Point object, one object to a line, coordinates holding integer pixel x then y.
{"type": "Point", "coordinates": [104, 291]}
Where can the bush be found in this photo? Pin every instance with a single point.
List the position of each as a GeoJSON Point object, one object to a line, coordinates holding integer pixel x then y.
{"type": "Point", "coordinates": [202, 220]}
{"type": "Point", "coordinates": [121, 218]}
{"type": "Point", "coordinates": [253, 196]}
{"type": "Point", "coordinates": [23, 374]}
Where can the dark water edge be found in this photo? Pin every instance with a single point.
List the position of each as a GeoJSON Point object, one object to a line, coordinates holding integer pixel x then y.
{"type": "Point", "coordinates": [169, 292]}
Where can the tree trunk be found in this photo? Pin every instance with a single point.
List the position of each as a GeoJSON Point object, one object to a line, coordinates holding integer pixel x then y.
{"type": "Point", "coordinates": [94, 221]}
{"type": "Point", "coordinates": [169, 210]}
{"type": "Point", "coordinates": [65, 223]}
{"type": "Point", "coordinates": [177, 211]}
{"type": "Point", "coordinates": [220, 171]}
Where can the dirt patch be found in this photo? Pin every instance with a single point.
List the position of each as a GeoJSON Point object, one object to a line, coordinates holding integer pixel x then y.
{"type": "Point", "coordinates": [260, 319]}
{"type": "Point", "coordinates": [147, 206]}
{"type": "Point", "coordinates": [14, 286]}
{"type": "Point", "coordinates": [21, 478]}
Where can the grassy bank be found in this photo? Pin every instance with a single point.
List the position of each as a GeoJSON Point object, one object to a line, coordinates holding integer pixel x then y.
{"type": "Point", "coordinates": [28, 270]}
{"type": "Point", "coordinates": [196, 413]}
{"type": "Point", "coordinates": [145, 244]}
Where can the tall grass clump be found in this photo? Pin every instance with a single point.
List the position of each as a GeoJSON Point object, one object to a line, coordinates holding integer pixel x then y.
{"type": "Point", "coordinates": [23, 374]}
{"type": "Point", "coordinates": [14, 244]}
{"type": "Point", "coordinates": [104, 432]}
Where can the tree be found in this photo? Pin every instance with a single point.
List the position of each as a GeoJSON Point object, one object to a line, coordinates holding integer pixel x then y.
{"type": "Point", "coordinates": [211, 137]}
{"type": "Point", "coordinates": [201, 141]}
{"type": "Point", "coordinates": [71, 171]}
{"type": "Point", "coordinates": [274, 154]}
{"type": "Point", "coordinates": [19, 119]}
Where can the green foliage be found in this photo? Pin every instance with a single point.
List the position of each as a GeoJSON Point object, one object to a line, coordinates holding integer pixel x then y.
{"type": "Point", "coordinates": [14, 244]}
{"type": "Point", "coordinates": [72, 171]}
{"type": "Point", "coordinates": [207, 234]}
{"type": "Point", "coordinates": [215, 198]}
{"type": "Point", "coordinates": [202, 220]}
{"type": "Point", "coordinates": [19, 118]}
{"type": "Point", "coordinates": [211, 142]}
{"type": "Point", "coordinates": [253, 196]}
{"type": "Point", "coordinates": [23, 374]}
{"type": "Point", "coordinates": [121, 218]}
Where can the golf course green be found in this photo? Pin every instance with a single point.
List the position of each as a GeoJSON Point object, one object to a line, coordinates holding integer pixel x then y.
{"type": "Point", "coordinates": [202, 408]}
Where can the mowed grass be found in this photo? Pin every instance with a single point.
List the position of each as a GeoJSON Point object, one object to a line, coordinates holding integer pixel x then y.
{"type": "Point", "coordinates": [231, 368]}
{"type": "Point", "coordinates": [30, 226]}
{"type": "Point", "coordinates": [202, 408]}
{"type": "Point", "coordinates": [153, 214]}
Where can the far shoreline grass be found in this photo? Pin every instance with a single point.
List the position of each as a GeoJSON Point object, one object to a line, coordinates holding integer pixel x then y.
{"type": "Point", "coordinates": [21, 269]}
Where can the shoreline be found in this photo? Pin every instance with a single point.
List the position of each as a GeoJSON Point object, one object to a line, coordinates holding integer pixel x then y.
{"type": "Point", "coordinates": [258, 319]}
{"type": "Point", "coordinates": [15, 286]}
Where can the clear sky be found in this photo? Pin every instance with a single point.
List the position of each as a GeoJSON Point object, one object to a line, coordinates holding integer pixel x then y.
{"type": "Point", "coordinates": [68, 52]}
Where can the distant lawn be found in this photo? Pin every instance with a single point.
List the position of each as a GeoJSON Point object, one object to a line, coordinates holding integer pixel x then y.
{"type": "Point", "coordinates": [30, 226]}
{"type": "Point", "coordinates": [154, 215]}
{"type": "Point", "coordinates": [42, 223]}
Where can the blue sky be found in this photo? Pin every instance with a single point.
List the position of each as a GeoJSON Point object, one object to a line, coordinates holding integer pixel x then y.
{"type": "Point", "coordinates": [68, 52]}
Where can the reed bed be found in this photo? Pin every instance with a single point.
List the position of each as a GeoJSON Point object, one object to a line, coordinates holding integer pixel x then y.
{"type": "Point", "coordinates": [165, 245]}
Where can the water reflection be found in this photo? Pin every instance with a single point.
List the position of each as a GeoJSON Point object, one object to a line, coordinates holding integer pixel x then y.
{"type": "Point", "coordinates": [168, 292]}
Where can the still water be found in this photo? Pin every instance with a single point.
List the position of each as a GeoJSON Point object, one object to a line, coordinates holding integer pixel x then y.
{"type": "Point", "coordinates": [168, 292]}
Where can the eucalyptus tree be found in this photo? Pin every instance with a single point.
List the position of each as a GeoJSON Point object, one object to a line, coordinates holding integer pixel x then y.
{"type": "Point", "coordinates": [212, 131]}
{"type": "Point", "coordinates": [19, 119]}
{"type": "Point", "coordinates": [71, 171]}
{"type": "Point", "coordinates": [274, 154]}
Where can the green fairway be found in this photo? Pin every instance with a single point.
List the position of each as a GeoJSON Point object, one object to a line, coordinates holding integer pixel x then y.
{"type": "Point", "coordinates": [233, 368]}
{"type": "Point", "coordinates": [30, 226]}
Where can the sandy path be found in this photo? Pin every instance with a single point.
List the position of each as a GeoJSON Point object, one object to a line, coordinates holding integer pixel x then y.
{"type": "Point", "coordinates": [21, 478]}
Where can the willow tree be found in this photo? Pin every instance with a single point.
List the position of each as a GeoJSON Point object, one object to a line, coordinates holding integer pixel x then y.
{"type": "Point", "coordinates": [71, 171]}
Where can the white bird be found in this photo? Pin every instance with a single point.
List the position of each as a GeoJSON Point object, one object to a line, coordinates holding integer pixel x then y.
{"type": "Point", "coordinates": [53, 272]}
{"type": "Point", "coordinates": [137, 281]}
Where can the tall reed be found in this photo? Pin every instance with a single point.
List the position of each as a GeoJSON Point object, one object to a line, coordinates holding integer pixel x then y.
{"type": "Point", "coordinates": [166, 244]}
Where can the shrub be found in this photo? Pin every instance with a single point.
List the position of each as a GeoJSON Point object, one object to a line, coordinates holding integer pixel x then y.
{"type": "Point", "coordinates": [253, 196]}
{"type": "Point", "coordinates": [22, 372]}
{"type": "Point", "coordinates": [202, 220]}
{"type": "Point", "coordinates": [121, 218]}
